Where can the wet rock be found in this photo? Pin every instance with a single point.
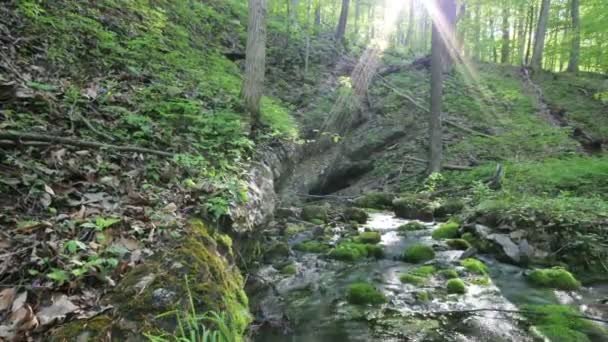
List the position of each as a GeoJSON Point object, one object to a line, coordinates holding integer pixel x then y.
{"type": "Point", "coordinates": [375, 200]}
{"type": "Point", "coordinates": [468, 253]}
{"type": "Point", "coordinates": [413, 207]}
{"type": "Point", "coordinates": [448, 208]}
{"type": "Point", "coordinates": [291, 212]}
{"type": "Point", "coordinates": [509, 248]}
{"type": "Point", "coordinates": [315, 212]}
{"type": "Point", "coordinates": [163, 298]}
{"type": "Point", "coordinates": [355, 214]}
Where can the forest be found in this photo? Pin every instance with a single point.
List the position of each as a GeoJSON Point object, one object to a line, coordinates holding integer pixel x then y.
{"type": "Point", "coordinates": [304, 170]}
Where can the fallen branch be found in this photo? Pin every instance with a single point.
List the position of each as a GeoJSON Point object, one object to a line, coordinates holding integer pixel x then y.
{"type": "Point", "coordinates": [466, 129]}
{"type": "Point", "coordinates": [20, 136]}
{"type": "Point", "coordinates": [522, 312]}
{"type": "Point", "coordinates": [444, 166]}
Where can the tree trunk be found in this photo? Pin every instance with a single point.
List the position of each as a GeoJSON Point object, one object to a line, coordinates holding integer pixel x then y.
{"type": "Point", "coordinates": [410, 24]}
{"type": "Point", "coordinates": [318, 16]}
{"type": "Point", "coordinates": [493, 40]}
{"type": "Point", "coordinates": [506, 40]}
{"type": "Point", "coordinates": [477, 31]}
{"type": "Point", "coordinates": [530, 33]}
{"type": "Point", "coordinates": [307, 53]}
{"type": "Point", "coordinates": [341, 29]}
{"type": "Point", "coordinates": [255, 62]}
{"type": "Point", "coordinates": [293, 13]}
{"type": "Point", "coordinates": [541, 31]}
{"type": "Point", "coordinates": [447, 9]}
{"type": "Point", "coordinates": [576, 36]}
{"type": "Point", "coordinates": [357, 15]}
{"type": "Point", "coordinates": [521, 35]}
{"type": "Point", "coordinates": [451, 47]}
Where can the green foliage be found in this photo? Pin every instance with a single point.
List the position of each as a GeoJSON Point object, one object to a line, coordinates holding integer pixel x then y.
{"type": "Point", "coordinates": [278, 118]}
{"type": "Point", "coordinates": [448, 230]}
{"type": "Point", "coordinates": [369, 238]}
{"type": "Point", "coordinates": [456, 286]}
{"type": "Point", "coordinates": [364, 293]}
{"type": "Point", "coordinates": [475, 266]}
{"type": "Point", "coordinates": [312, 246]}
{"type": "Point", "coordinates": [418, 253]}
{"type": "Point", "coordinates": [556, 277]}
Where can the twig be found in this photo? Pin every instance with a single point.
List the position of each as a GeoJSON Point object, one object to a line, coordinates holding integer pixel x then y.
{"type": "Point", "coordinates": [523, 312]}
{"type": "Point", "coordinates": [20, 136]}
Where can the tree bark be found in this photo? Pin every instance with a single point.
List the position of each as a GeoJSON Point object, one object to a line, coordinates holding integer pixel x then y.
{"type": "Point", "coordinates": [541, 31]}
{"type": "Point", "coordinates": [318, 16]}
{"type": "Point", "coordinates": [341, 29]}
{"type": "Point", "coordinates": [530, 33]}
{"type": "Point", "coordinates": [255, 62]}
{"type": "Point", "coordinates": [307, 53]}
{"type": "Point", "coordinates": [477, 37]}
{"type": "Point", "coordinates": [576, 36]}
{"type": "Point", "coordinates": [506, 40]}
{"type": "Point", "coordinates": [410, 24]}
{"type": "Point", "coordinates": [357, 15]}
{"type": "Point", "coordinates": [521, 35]}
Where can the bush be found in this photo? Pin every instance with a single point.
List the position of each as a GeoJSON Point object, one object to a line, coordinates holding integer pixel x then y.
{"type": "Point", "coordinates": [369, 237]}
{"type": "Point", "coordinates": [448, 230]}
{"type": "Point", "coordinates": [459, 244]}
{"type": "Point", "coordinates": [411, 226]}
{"type": "Point", "coordinates": [456, 286]}
{"type": "Point", "coordinates": [557, 278]}
{"type": "Point", "coordinates": [418, 253]}
{"type": "Point", "coordinates": [312, 246]}
{"type": "Point", "coordinates": [475, 266]}
{"type": "Point", "coordinates": [375, 200]}
{"type": "Point", "coordinates": [364, 293]}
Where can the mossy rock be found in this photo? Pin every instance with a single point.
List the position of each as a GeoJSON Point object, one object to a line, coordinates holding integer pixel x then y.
{"type": "Point", "coordinates": [375, 200]}
{"type": "Point", "coordinates": [411, 226]}
{"type": "Point", "coordinates": [424, 271]}
{"type": "Point", "coordinates": [561, 323]}
{"type": "Point", "coordinates": [312, 246]}
{"type": "Point", "coordinates": [475, 266]}
{"type": "Point", "coordinates": [364, 293]}
{"type": "Point", "coordinates": [412, 279]}
{"type": "Point", "coordinates": [413, 207]}
{"type": "Point", "coordinates": [317, 213]}
{"type": "Point", "coordinates": [355, 214]}
{"type": "Point", "coordinates": [375, 251]}
{"type": "Point", "coordinates": [557, 278]}
{"type": "Point", "coordinates": [94, 329]}
{"type": "Point", "coordinates": [369, 237]}
{"type": "Point", "coordinates": [353, 251]}
{"type": "Point", "coordinates": [290, 269]}
{"type": "Point", "coordinates": [448, 230]}
{"type": "Point", "coordinates": [293, 229]}
{"type": "Point", "coordinates": [449, 273]}
{"type": "Point", "coordinates": [276, 251]}
{"type": "Point", "coordinates": [456, 286]}
{"type": "Point", "coordinates": [423, 296]}
{"type": "Point", "coordinates": [418, 253]}
{"type": "Point", "coordinates": [214, 282]}
{"type": "Point", "coordinates": [448, 208]}
{"type": "Point", "coordinates": [482, 281]}
{"type": "Point", "coordinates": [482, 245]}
{"type": "Point", "coordinates": [458, 244]}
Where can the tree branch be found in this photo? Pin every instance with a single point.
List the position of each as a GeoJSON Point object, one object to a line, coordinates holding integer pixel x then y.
{"type": "Point", "coordinates": [20, 136]}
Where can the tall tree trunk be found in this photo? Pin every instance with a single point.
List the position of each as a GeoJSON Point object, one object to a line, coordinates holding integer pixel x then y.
{"type": "Point", "coordinates": [541, 31]}
{"type": "Point", "coordinates": [410, 24]}
{"type": "Point", "coordinates": [318, 16]}
{"type": "Point", "coordinates": [439, 50]}
{"type": "Point", "coordinates": [357, 14]}
{"type": "Point", "coordinates": [451, 47]}
{"type": "Point", "coordinates": [341, 29]}
{"type": "Point", "coordinates": [506, 39]}
{"type": "Point", "coordinates": [293, 13]}
{"type": "Point", "coordinates": [477, 31]}
{"type": "Point", "coordinates": [255, 62]}
{"type": "Point", "coordinates": [493, 40]}
{"type": "Point", "coordinates": [576, 36]}
{"type": "Point", "coordinates": [521, 35]}
{"type": "Point", "coordinates": [530, 33]}
{"type": "Point", "coordinates": [307, 53]}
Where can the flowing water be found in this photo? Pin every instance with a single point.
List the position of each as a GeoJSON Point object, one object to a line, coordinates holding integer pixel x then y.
{"type": "Point", "coordinates": [310, 306]}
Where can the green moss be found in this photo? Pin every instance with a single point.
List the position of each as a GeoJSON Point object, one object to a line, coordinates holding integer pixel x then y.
{"type": "Point", "coordinates": [289, 269]}
{"type": "Point", "coordinates": [364, 293]}
{"type": "Point", "coordinates": [448, 208]}
{"type": "Point", "coordinates": [424, 271]}
{"type": "Point", "coordinates": [475, 266]}
{"type": "Point", "coordinates": [315, 212]}
{"type": "Point", "coordinates": [482, 245]}
{"type": "Point", "coordinates": [448, 230]}
{"type": "Point", "coordinates": [560, 323]}
{"type": "Point", "coordinates": [422, 296]}
{"type": "Point", "coordinates": [95, 328]}
{"type": "Point", "coordinates": [375, 200]}
{"type": "Point", "coordinates": [558, 333]}
{"type": "Point", "coordinates": [374, 251]}
{"type": "Point", "coordinates": [355, 214]}
{"type": "Point", "coordinates": [369, 237]}
{"type": "Point", "coordinates": [418, 253]}
{"type": "Point", "coordinates": [352, 251]}
{"type": "Point", "coordinates": [456, 286]}
{"type": "Point", "coordinates": [293, 229]}
{"type": "Point", "coordinates": [312, 246]}
{"type": "Point", "coordinates": [459, 244]}
{"type": "Point", "coordinates": [482, 281]}
{"type": "Point", "coordinates": [412, 206]}
{"type": "Point", "coordinates": [411, 226]}
{"type": "Point", "coordinates": [318, 222]}
{"type": "Point", "coordinates": [412, 279]}
{"type": "Point", "coordinates": [277, 250]}
{"type": "Point", "coordinates": [556, 277]}
{"type": "Point", "coordinates": [449, 273]}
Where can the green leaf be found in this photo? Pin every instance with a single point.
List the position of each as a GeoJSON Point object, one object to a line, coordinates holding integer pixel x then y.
{"type": "Point", "coordinates": [58, 276]}
{"type": "Point", "coordinates": [73, 246]}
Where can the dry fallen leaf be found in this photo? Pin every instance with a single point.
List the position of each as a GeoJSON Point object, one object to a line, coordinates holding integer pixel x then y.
{"type": "Point", "coordinates": [57, 311]}
{"type": "Point", "coordinates": [19, 301]}
{"type": "Point", "coordinates": [7, 296]}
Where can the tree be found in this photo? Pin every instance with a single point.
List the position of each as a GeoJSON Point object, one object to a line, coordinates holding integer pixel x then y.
{"type": "Point", "coordinates": [505, 49]}
{"type": "Point", "coordinates": [576, 36]}
{"type": "Point", "coordinates": [255, 62]}
{"type": "Point", "coordinates": [442, 35]}
{"type": "Point", "coordinates": [341, 29]}
{"type": "Point", "coordinates": [541, 31]}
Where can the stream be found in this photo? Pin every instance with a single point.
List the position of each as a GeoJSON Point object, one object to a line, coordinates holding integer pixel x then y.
{"type": "Point", "coordinates": [311, 305]}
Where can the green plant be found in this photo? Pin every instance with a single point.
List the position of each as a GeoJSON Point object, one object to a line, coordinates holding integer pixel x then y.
{"type": "Point", "coordinates": [101, 223]}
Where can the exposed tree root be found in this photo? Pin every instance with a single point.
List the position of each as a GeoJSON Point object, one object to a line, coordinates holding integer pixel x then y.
{"type": "Point", "coordinates": [31, 137]}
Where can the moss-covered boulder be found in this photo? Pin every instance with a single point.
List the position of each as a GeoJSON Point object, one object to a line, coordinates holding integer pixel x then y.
{"type": "Point", "coordinates": [413, 207]}
{"type": "Point", "coordinates": [312, 246]}
{"type": "Point", "coordinates": [456, 286]}
{"type": "Point", "coordinates": [449, 273]}
{"type": "Point", "coordinates": [369, 237]}
{"type": "Point", "coordinates": [418, 253]}
{"type": "Point", "coordinates": [159, 285]}
{"type": "Point", "coordinates": [448, 230]}
{"type": "Point", "coordinates": [557, 278]}
{"type": "Point", "coordinates": [411, 226]}
{"type": "Point", "coordinates": [315, 213]}
{"type": "Point", "coordinates": [458, 244]}
{"type": "Point", "coordinates": [475, 266]}
{"type": "Point", "coordinates": [412, 279]}
{"type": "Point", "coordinates": [355, 214]}
{"type": "Point", "coordinates": [289, 269]}
{"type": "Point", "coordinates": [563, 323]}
{"type": "Point", "coordinates": [353, 251]}
{"type": "Point", "coordinates": [375, 200]}
{"type": "Point", "coordinates": [276, 250]}
{"type": "Point", "coordinates": [364, 293]}
{"type": "Point", "coordinates": [448, 208]}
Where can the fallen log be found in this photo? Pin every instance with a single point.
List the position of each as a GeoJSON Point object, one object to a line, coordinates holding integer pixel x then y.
{"type": "Point", "coordinates": [21, 136]}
